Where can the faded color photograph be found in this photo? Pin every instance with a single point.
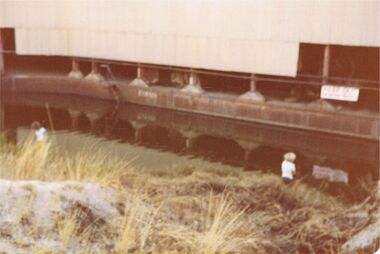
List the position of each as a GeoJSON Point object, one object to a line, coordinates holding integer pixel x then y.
{"type": "Point", "coordinates": [189, 126]}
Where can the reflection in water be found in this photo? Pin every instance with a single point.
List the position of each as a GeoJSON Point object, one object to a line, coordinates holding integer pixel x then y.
{"type": "Point", "coordinates": [156, 138]}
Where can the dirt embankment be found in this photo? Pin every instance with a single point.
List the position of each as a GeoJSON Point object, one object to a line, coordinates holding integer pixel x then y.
{"type": "Point", "coordinates": [186, 210]}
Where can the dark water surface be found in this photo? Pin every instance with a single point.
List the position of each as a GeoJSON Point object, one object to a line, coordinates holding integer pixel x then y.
{"type": "Point", "coordinates": [160, 139]}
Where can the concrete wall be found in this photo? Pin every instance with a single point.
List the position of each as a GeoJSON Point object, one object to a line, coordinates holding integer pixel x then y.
{"type": "Point", "coordinates": [259, 36]}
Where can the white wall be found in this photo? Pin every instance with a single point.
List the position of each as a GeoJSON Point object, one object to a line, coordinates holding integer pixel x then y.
{"type": "Point", "coordinates": [259, 36]}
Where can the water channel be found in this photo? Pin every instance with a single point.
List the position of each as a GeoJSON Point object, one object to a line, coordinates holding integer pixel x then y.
{"type": "Point", "coordinates": [159, 139]}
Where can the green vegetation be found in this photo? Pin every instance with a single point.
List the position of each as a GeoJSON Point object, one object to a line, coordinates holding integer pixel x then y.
{"type": "Point", "coordinates": [187, 210]}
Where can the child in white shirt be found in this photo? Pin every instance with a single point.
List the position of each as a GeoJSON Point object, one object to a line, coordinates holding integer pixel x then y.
{"type": "Point", "coordinates": [40, 132]}
{"type": "Point", "coordinates": [288, 168]}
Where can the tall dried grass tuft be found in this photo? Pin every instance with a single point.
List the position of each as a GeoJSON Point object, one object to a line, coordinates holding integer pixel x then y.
{"type": "Point", "coordinates": [218, 232]}
{"type": "Point", "coordinates": [135, 229]}
{"type": "Point", "coordinates": [128, 231]}
{"type": "Point", "coordinates": [92, 166]}
{"type": "Point", "coordinates": [221, 224]}
{"type": "Point", "coordinates": [30, 160]}
{"type": "Point", "coordinates": [68, 228]}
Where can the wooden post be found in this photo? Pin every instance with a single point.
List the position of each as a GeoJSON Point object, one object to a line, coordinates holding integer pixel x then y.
{"type": "Point", "coordinates": [326, 64]}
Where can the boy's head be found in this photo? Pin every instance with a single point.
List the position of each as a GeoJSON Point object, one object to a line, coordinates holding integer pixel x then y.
{"type": "Point", "coordinates": [290, 157]}
{"type": "Point", "coordinates": [35, 125]}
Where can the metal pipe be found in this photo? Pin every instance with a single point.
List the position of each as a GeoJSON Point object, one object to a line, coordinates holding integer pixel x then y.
{"type": "Point", "coordinates": [109, 71]}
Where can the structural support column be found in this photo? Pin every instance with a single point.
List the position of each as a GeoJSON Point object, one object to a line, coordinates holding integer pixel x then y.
{"type": "Point", "coordinates": [94, 74]}
{"type": "Point", "coordinates": [2, 66]}
{"type": "Point", "coordinates": [194, 84]}
{"type": "Point", "coordinates": [139, 72]}
{"type": "Point", "coordinates": [253, 94]}
{"type": "Point", "coordinates": [138, 81]}
{"type": "Point", "coordinates": [75, 71]}
{"type": "Point", "coordinates": [326, 65]}
{"type": "Point", "coordinates": [325, 75]}
{"type": "Point", "coordinates": [253, 83]}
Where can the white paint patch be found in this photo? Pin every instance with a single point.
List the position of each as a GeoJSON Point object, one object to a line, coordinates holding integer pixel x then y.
{"type": "Point", "coordinates": [146, 117]}
{"type": "Point", "coordinates": [152, 96]}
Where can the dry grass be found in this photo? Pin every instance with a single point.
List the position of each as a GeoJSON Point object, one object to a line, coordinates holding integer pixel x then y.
{"type": "Point", "coordinates": [39, 161]}
{"type": "Point", "coordinates": [190, 210]}
{"type": "Point", "coordinates": [68, 228]}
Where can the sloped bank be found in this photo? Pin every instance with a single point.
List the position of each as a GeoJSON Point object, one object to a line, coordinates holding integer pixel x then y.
{"type": "Point", "coordinates": [369, 236]}
{"type": "Point", "coordinates": [95, 203]}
